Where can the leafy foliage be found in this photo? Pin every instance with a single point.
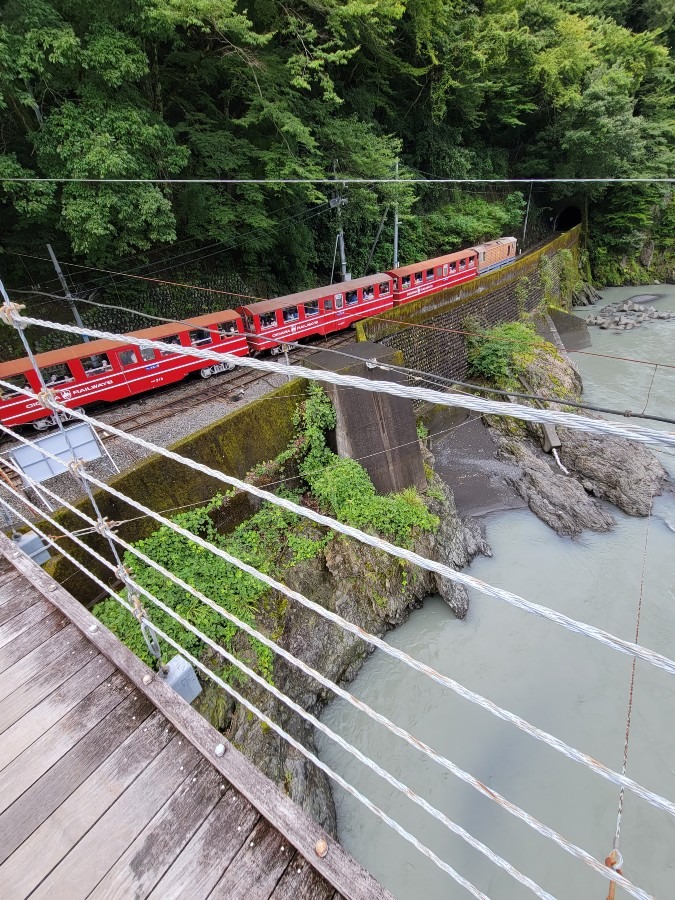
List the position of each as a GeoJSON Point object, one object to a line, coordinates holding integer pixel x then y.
{"type": "Point", "coordinates": [343, 487]}
{"type": "Point", "coordinates": [272, 541]}
{"type": "Point", "coordinates": [497, 354]}
{"type": "Point", "coordinates": [203, 89]}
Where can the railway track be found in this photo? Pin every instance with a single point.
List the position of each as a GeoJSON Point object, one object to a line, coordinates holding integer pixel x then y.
{"type": "Point", "coordinates": [224, 389]}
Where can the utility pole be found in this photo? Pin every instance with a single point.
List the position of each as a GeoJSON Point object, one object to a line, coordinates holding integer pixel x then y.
{"type": "Point", "coordinates": [66, 291]}
{"type": "Point", "coordinates": [396, 226]}
{"type": "Point", "coordinates": [527, 213]}
{"type": "Point", "coordinates": [337, 202]}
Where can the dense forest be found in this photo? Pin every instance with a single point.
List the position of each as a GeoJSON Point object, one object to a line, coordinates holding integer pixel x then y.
{"type": "Point", "coordinates": [346, 88]}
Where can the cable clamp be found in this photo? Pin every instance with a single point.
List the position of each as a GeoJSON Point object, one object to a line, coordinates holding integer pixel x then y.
{"type": "Point", "coordinates": [103, 527]}
{"type": "Point", "coordinates": [76, 466]}
{"type": "Point", "coordinates": [135, 598]}
{"type": "Point", "coordinates": [9, 314]}
{"type": "Point", "coordinates": [372, 363]}
{"type": "Point", "coordinates": [122, 573]}
{"type": "Point", "coordinates": [615, 861]}
{"type": "Point", "coordinates": [47, 398]}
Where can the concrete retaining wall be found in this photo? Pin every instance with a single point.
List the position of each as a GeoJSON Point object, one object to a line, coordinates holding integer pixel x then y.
{"type": "Point", "coordinates": [430, 332]}
{"type": "Point", "coordinates": [233, 445]}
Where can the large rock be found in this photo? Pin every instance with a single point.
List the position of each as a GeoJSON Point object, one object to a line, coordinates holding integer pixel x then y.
{"type": "Point", "coordinates": [621, 471]}
{"type": "Point", "coordinates": [600, 467]}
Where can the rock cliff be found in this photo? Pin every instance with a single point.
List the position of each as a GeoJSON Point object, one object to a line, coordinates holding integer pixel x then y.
{"type": "Point", "coordinates": [367, 587]}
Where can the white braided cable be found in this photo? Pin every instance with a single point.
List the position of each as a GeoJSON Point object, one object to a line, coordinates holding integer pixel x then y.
{"type": "Point", "coordinates": [519, 813]}
{"type": "Point", "coordinates": [469, 581]}
{"type": "Point", "coordinates": [493, 407]}
{"type": "Point", "coordinates": [307, 753]}
{"type": "Point", "coordinates": [576, 755]}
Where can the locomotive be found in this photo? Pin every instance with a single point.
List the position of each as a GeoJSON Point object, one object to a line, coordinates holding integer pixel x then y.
{"type": "Point", "coordinates": [106, 371]}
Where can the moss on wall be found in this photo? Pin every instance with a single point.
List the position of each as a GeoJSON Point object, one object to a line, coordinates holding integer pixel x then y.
{"type": "Point", "coordinates": [420, 311]}
{"type": "Point", "coordinates": [233, 445]}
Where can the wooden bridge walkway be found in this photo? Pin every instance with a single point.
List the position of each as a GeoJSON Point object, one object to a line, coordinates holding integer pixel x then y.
{"type": "Point", "coordinates": [110, 787]}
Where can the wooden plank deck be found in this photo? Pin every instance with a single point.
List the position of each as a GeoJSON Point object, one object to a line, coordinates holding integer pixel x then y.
{"type": "Point", "coordinates": [110, 787]}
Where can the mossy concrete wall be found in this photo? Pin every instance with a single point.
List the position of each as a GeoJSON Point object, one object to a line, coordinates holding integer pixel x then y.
{"type": "Point", "coordinates": [257, 432]}
{"type": "Point", "coordinates": [431, 332]}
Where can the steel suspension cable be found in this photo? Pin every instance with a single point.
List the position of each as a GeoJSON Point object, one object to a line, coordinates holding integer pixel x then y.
{"type": "Point", "coordinates": [417, 744]}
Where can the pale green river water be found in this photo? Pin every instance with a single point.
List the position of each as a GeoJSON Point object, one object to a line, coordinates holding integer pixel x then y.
{"type": "Point", "coordinates": [564, 683]}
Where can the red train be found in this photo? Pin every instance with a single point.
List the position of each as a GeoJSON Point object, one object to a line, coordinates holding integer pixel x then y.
{"type": "Point", "coordinates": [106, 370]}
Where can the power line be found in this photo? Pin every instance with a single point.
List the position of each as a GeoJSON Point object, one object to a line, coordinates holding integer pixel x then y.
{"type": "Point", "coordinates": [302, 216]}
{"type": "Point", "coordinates": [427, 376]}
{"type": "Point", "coordinates": [194, 287]}
{"type": "Point", "coordinates": [503, 340]}
{"type": "Point", "coordinates": [337, 180]}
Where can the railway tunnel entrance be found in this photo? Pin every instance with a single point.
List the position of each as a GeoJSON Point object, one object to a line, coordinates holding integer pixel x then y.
{"type": "Point", "coordinates": [568, 217]}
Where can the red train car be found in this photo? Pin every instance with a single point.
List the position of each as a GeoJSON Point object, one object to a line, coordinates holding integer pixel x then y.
{"type": "Point", "coordinates": [432, 275]}
{"type": "Point", "coordinates": [108, 370]}
{"type": "Point", "coordinates": [270, 323]}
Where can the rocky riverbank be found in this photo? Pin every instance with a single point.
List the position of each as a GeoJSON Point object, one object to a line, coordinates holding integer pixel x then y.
{"type": "Point", "coordinates": [367, 587]}
{"type": "Point", "coordinates": [599, 467]}
{"type": "Point", "coordinates": [630, 314]}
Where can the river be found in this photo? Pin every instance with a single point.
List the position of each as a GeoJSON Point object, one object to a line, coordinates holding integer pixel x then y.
{"type": "Point", "coordinates": [566, 684]}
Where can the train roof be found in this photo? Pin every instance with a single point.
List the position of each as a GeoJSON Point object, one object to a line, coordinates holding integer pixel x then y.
{"type": "Point", "coordinates": [156, 333]}
{"type": "Point", "coordinates": [503, 240]}
{"type": "Point", "coordinates": [265, 306]}
{"type": "Point", "coordinates": [430, 263]}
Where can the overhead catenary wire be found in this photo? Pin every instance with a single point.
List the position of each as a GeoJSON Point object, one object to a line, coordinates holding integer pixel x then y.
{"type": "Point", "coordinates": [417, 744]}
{"type": "Point", "coordinates": [490, 794]}
{"type": "Point", "coordinates": [454, 382]}
{"type": "Point", "coordinates": [504, 340]}
{"type": "Point", "coordinates": [341, 179]}
{"type": "Point", "coordinates": [443, 680]}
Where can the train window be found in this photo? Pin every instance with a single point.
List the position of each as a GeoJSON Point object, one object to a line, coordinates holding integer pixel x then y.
{"type": "Point", "coordinates": [405, 282]}
{"type": "Point", "coordinates": [172, 339]}
{"type": "Point", "coordinates": [418, 277]}
{"type": "Point", "coordinates": [328, 305]}
{"type": "Point", "coordinates": [291, 313]}
{"type": "Point", "coordinates": [147, 353]}
{"type": "Point", "coordinates": [384, 288]}
{"type": "Point", "coordinates": [430, 274]}
{"type": "Point", "coordinates": [369, 292]}
{"type": "Point", "coordinates": [267, 320]}
{"type": "Point", "coordinates": [338, 301]}
{"type": "Point", "coordinates": [59, 374]}
{"type": "Point", "coordinates": [200, 336]}
{"type": "Point", "coordinates": [482, 256]}
{"type": "Point", "coordinates": [95, 365]}
{"type": "Point", "coordinates": [19, 381]}
{"type": "Point", "coordinates": [462, 265]}
{"type": "Point", "coordinates": [453, 268]}
{"type": "Point", "coordinates": [227, 328]}
{"type": "Point", "coordinates": [312, 308]}
{"type": "Point", "coordinates": [439, 272]}
{"type": "Point", "coordinates": [472, 261]}
{"type": "Point", "coordinates": [352, 297]}
{"type": "Point", "coordinates": [127, 357]}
